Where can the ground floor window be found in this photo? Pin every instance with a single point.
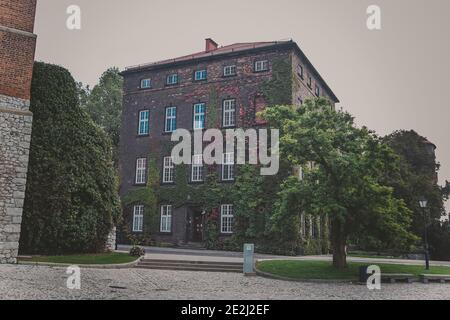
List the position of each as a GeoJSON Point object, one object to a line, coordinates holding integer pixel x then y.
{"type": "Point", "coordinates": [166, 218]}
{"type": "Point", "coordinates": [138, 218]}
{"type": "Point", "coordinates": [226, 218]}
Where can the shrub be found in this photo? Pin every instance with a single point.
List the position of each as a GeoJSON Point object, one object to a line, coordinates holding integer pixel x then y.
{"type": "Point", "coordinates": [137, 251]}
{"type": "Point", "coordinates": [71, 198]}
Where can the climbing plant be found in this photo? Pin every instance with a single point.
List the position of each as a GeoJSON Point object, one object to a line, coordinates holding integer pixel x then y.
{"type": "Point", "coordinates": [278, 90]}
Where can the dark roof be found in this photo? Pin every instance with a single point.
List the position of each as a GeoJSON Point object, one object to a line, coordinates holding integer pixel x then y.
{"type": "Point", "coordinates": [231, 49]}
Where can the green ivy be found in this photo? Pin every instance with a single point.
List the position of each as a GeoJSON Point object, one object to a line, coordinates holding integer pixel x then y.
{"type": "Point", "coordinates": [278, 90]}
{"type": "Point", "coordinates": [213, 117]}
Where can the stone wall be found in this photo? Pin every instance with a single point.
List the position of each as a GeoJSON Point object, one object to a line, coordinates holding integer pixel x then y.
{"type": "Point", "coordinates": [111, 241]}
{"type": "Point", "coordinates": [15, 137]}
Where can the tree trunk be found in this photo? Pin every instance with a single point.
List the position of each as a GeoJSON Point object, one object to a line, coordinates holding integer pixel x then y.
{"type": "Point", "coordinates": [338, 244]}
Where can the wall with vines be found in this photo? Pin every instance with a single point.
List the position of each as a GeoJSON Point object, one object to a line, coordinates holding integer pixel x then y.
{"type": "Point", "coordinates": [252, 195]}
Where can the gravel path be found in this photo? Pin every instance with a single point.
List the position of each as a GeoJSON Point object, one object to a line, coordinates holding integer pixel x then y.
{"type": "Point", "coordinates": [38, 282]}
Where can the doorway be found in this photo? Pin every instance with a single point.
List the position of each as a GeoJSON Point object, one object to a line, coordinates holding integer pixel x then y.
{"type": "Point", "coordinates": [195, 225]}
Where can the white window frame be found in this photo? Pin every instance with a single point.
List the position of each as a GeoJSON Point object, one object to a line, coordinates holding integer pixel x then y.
{"type": "Point", "coordinates": [172, 117]}
{"type": "Point", "coordinates": [200, 75]}
{"type": "Point", "coordinates": [226, 218]}
{"type": "Point", "coordinates": [317, 91]}
{"type": "Point", "coordinates": [228, 166]}
{"type": "Point", "coordinates": [197, 168]}
{"type": "Point", "coordinates": [172, 79]}
{"type": "Point", "coordinates": [141, 171]}
{"type": "Point", "coordinates": [200, 116]}
{"type": "Point", "coordinates": [166, 218]}
{"type": "Point", "coordinates": [229, 71]}
{"type": "Point", "coordinates": [138, 218]}
{"type": "Point", "coordinates": [229, 113]}
{"type": "Point", "coordinates": [146, 83]}
{"type": "Point", "coordinates": [261, 65]}
{"type": "Point", "coordinates": [144, 123]}
{"type": "Point", "coordinates": [168, 170]}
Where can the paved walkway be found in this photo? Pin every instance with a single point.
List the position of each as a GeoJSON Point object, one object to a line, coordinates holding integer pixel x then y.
{"type": "Point", "coordinates": [224, 256]}
{"type": "Point", "coordinates": [41, 282]}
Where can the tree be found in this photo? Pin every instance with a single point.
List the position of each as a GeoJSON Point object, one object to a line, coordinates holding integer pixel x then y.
{"type": "Point", "coordinates": [71, 198]}
{"type": "Point", "coordinates": [418, 177]}
{"type": "Point", "coordinates": [104, 104]}
{"type": "Point", "coordinates": [343, 180]}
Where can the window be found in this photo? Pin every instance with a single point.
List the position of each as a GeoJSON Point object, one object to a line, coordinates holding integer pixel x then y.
{"type": "Point", "coordinates": [300, 71]}
{"type": "Point", "coordinates": [199, 116]}
{"type": "Point", "coordinates": [141, 168]}
{"type": "Point", "coordinates": [229, 71]}
{"type": "Point", "coordinates": [168, 170]}
{"type": "Point", "coordinates": [226, 218]}
{"type": "Point", "coordinates": [172, 79]}
{"type": "Point", "coordinates": [166, 218]}
{"type": "Point", "coordinates": [138, 218]}
{"type": "Point", "coordinates": [229, 113]}
{"type": "Point", "coordinates": [171, 119]}
{"type": "Point", "coordinates": [228, 166]}
{"type": "Point", "coordinates": [262, 65]}
{"type": "Point", "coordinates": [143, 122]}
{"type": "Point", "coordinates": [309, 81]}
{"type": "Point", "coordinates": [146, 83]}
{"type": "Point", "coordinates": [317, 90]}
{"type": "Point", "coordinates": [197, 168]}
{"type": "Point", "coordinates": [200, 75]}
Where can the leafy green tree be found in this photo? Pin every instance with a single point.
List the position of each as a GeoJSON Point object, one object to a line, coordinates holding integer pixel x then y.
{"type": "Point", "coordinates": [418, 177]}
{"type": "Point", "coordinates": [344, 180]}
{"type": "Point", "coordinates": [104, 104]}
{"type": "Point", "coordinates": [71, 198]}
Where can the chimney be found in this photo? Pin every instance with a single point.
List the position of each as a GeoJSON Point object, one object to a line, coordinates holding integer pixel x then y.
{"type": "Point", "coordinates": [211, 45]}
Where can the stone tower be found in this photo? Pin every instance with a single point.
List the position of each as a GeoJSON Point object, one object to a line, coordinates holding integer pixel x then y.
{"type": "Point", "coordinates": [17, 45]}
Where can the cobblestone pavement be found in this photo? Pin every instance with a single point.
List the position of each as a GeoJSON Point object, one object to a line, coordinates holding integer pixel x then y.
{"type": "Point", "coordinates": [39, 282]}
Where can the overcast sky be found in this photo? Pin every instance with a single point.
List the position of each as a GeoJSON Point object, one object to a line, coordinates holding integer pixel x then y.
{"type": "Point", "coordinates": [394, 78]}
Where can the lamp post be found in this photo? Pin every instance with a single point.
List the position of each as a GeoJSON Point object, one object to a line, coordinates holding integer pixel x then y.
{"type": "Point", "coordinates": [423, 204]}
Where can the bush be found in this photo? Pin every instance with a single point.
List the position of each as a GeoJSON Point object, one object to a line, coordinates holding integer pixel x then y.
{"type": "Point", "coordinates": [137, 251]}
{"type": "Point", "coordinates": [71, 198]}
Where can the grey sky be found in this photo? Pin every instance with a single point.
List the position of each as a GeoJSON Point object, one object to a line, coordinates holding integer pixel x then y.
{"type": "Point", "coordinates": [396, 78]}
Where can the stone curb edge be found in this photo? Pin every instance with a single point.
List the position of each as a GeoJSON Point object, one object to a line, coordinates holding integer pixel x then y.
{"type": "Point", "coordinates": [83, 266]}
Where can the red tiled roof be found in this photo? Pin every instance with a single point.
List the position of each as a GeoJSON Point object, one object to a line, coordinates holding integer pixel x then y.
{"type": "Point", "coordinates": [236, 47]}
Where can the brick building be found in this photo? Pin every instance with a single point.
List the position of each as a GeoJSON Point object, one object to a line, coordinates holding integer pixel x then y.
{"type": "Point", "coordinates": [220, 87]}
{"type": "Point", "coordinates": [17, 45]}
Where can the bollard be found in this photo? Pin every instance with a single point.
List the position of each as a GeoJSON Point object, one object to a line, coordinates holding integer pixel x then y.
{"type": "Point", "coordinates": [249, 249]}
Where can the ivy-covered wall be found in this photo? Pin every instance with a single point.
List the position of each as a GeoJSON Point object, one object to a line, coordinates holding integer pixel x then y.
{"type": "Point", "coordinates": [253, 196]}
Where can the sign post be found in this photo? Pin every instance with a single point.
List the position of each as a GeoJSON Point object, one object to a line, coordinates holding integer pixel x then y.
{"type": "Point", "coordinates": [249, 249]}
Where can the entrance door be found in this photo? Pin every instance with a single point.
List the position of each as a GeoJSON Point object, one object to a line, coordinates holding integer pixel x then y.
{"type": "Point", "coordinates": [197, 224]}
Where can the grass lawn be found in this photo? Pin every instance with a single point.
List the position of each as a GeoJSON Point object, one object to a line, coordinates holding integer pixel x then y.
{"type": "Point", "coordinates": [298, 269]}
{"type": "Point", "coordinates": [101, 258]}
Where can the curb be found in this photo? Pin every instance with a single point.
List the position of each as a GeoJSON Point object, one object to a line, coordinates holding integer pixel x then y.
{"type": "Point", "coordinates": [83, 266]}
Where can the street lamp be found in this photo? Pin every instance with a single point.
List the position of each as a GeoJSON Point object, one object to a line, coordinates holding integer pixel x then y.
{"type": "Point", "coordinates": [423, 204]}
